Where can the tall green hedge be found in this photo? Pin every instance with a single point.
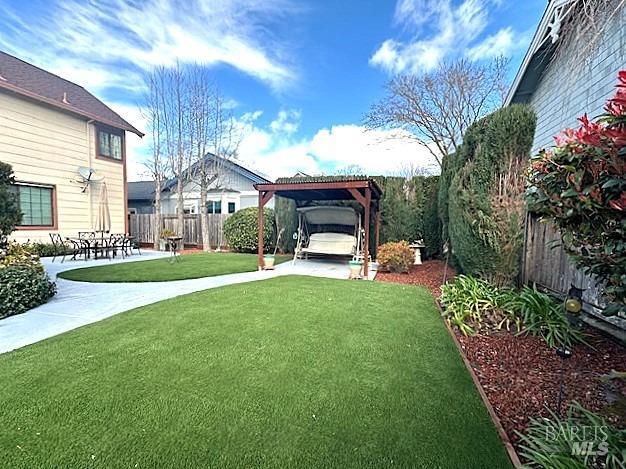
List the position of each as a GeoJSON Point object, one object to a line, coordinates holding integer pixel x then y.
{"type": "Point", "coordinates": [485, 196]}
{"type": "Point", "coordinates": [409, 211]}
{"type": "Point", "coordinates": [287, 218]}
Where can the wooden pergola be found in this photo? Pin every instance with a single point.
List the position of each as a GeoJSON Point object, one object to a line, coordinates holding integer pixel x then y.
{"type": "Point", "coordinates": [302, 190]}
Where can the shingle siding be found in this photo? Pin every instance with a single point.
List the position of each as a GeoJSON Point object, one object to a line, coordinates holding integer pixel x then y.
{"type": "Point", "coordinates": [562, 96]}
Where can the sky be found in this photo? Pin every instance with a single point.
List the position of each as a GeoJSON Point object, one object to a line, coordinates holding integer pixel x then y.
{"type": "Point", "coordinates": [299, 75]}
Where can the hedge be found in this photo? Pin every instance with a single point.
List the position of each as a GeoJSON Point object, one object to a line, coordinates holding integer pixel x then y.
{"type": "Point", "coordinates": [241, 230]}
{"type": "Point", "coordinates": [23, 288]}
{"type": "Point", "coordinates": [287, 218]}
{"type": "Point", "coordinates": [485, 198]}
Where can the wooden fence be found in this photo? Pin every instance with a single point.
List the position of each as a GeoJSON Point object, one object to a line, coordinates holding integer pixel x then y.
{"type": "Point", "coordinates": [143, 228]}
{"type": "Point", "coordinates": [547, 265]}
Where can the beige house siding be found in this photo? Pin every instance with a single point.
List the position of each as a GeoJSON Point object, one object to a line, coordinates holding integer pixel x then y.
{"type": "Point", "coordinates": [46, 146]}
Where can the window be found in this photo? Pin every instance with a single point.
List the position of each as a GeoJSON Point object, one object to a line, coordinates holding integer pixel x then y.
{"type": "Point", "coordinates": [109, 143]}
{"type": "Point", "coordinates": [36, 204]}
{"type": "Point", "coordinates": [231, 207]}
{"type": "Point", "coordinates": [214, 206]}
{"type": "Point", "coordinates": [188, 209]}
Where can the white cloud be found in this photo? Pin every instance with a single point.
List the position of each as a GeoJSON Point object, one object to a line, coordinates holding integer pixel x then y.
{"type": "Point", "coordinates": [277, 153]}
{"type": "Point", "coordinates": [286, 123]}
{"type": "Point", "coordinates": [501, 43]}
{"type": "Point", "coordinates": [110, 43]}
{"type": "Point", "coordinates": [440, 29]}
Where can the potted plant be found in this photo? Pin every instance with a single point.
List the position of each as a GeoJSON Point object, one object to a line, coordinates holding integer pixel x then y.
{"type": "Point", "coordinates": [355, 268]}
{"type": "Point", "coordinates": [269, 259]}
{"type": "Point", "coordinates": [163, 243]}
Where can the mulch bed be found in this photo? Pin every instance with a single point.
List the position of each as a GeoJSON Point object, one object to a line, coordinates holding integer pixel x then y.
{"type": "Point", "coordinates": [520, 375]}
{"type": "Point", "coordinates": [429, 275]}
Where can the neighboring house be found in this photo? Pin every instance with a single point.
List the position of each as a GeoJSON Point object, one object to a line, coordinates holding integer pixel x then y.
{"type": "Point", "coordinates": [551, 78]}
{"type": "Point", "coordinates": [231, 189]}
{"type": "Point", "coordinates": [49, 128]}
{"type": "Point", "coordinates": [141, 197]}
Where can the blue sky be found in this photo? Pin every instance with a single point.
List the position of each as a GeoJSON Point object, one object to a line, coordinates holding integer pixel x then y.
{"type": "Point", "coordinates": [299, 75]}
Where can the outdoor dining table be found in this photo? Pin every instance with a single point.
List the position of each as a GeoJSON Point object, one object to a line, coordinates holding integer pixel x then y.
{"type": "Point", "coordinates": [90, 244]}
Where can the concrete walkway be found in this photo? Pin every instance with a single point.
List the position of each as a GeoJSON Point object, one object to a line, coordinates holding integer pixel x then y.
{"type": "Point", "coordinates": [80, 303]}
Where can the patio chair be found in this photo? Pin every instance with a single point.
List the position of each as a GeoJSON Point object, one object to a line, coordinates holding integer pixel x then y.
{"type": "Point", "coordinates": [62, 247]}
{"type": "Point", "coordinates": [117, 243]}
{"type": "Point", "coordinates": [131, 244]}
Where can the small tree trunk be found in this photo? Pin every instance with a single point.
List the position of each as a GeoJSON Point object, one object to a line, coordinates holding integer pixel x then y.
{"type": "Point", "coordinates": [157, 214]}
{"type": "Point", "coordinates": [180, 209]}
{"type": "Point", "coordinates": [204, 218]}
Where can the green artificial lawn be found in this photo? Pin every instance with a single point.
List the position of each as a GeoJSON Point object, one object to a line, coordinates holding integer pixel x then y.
{"type": "Point", "coordinates": [206, 264]}
{"type": "Point", "coordinates": [286, 372]}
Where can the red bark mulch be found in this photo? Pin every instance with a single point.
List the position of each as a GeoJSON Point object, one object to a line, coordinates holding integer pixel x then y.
{"type": "Point", "coordinates": [520, 374]}
{"type": "Point", "coordinates": [429, 274]}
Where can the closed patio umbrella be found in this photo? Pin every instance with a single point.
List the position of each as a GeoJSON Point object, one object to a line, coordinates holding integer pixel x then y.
{"type": "Point", "coordinates": [103, 221]}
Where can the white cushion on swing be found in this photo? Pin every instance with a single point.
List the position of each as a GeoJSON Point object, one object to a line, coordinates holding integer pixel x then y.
{"type": "Point", "coordinates": [339, 244]}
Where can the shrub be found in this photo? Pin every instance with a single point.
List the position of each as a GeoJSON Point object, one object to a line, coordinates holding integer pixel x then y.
{"type": "Point", "coordinates": [542, 316]}
{"type": "Point", "coordinates": [472, 305]}
{"type": "Point", "coordinates": [46, 249]}
{"type": "Point", "coordinates": [553, 442]}
{"type": "Point", "coordinates": [23, 288]}
{"type": "Point", "coordinates": [395, 257]}
{"type": "Point", "coordinates": [486, 194]}
{"type": "Point", "coordinates": [10, 214]}
{"type": "Point", "coordinates": [22, 255]}
{"type": "Point", "coordinates": [580, 185]}
{"type": "Point", "coordinates": [241, 230]}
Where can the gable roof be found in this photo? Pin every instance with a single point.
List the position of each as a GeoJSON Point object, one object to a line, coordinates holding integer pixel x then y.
{"type": "Point", "coordinates": [39, 85]}
{"type": "Point", "coordinates": [234, 165]}
{"type": "Point", "coordinates": [540, 52]}
{"type": "Point", "coordinates": [141, 190]}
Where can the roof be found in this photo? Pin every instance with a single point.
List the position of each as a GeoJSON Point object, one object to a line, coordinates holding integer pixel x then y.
{"type": "Point", "coordinates": [32, 82]}
{"type": "Point", "coordinates": [540, 52]}
{"type": "Point", "coordinates": [322, 187]}
{"type": "Point", "coordinates": [141, 190]}
{"type": "Point", "coordinates": [233, 164]}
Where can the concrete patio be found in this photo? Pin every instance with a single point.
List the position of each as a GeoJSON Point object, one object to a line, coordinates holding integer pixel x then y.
{"type": "Point", "coordinates": [79, 303]}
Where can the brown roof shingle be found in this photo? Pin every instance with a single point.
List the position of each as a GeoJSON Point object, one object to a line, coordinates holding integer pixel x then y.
{"type": "Point", "coordinates": [33, 82]}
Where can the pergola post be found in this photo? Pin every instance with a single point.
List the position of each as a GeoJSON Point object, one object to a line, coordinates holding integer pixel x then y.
{"type": "Point", "coordinates": [264, 198]}
{"type": "Point", "coordinates": [366, 248]}
{"type": "Point", "coordinates": [377, 235]}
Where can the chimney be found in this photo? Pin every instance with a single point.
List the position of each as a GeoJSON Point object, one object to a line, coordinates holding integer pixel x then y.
{"type": "Point", "coordinates": [65, 101]}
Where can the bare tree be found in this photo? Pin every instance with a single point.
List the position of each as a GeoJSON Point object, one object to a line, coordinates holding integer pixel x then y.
{"type": "Point", "coordinates": [156, 116]}
{"type": "Point", "coordinates": [214, 139]}
{"type": "Point", "coordinates": [436, 108]}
